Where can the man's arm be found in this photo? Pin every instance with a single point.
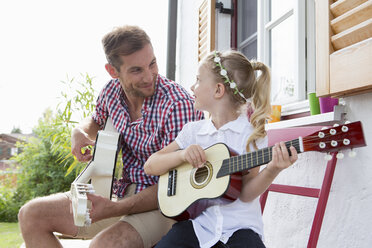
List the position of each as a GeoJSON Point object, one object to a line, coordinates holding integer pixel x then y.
{"type": "Point", "coordinates": [83, 135]}
{"type": "Point", "coordinates": [143, 201]}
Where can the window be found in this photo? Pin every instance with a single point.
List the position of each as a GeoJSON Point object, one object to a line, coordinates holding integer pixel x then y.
{"type": "Point", "coordinates": [247, 28]}
{"type": "Point", "coordinates": [283, 40]}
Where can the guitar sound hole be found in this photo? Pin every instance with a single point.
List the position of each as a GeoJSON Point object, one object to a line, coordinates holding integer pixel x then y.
{"type": "Point", "coordinates": [200, 177]}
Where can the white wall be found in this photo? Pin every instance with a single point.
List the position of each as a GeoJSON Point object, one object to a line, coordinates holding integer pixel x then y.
{"type": "Point", "coordinates": [348, 217]}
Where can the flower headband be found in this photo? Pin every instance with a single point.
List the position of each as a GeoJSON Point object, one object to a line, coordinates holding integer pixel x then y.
{"type": "Point", "coordinates": [223, 73]}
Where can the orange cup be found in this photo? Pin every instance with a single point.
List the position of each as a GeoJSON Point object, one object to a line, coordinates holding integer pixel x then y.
{"type": "Point", "coordinates": [276, 111]}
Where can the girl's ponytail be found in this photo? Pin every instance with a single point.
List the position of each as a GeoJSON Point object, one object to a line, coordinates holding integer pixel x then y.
{"type": "Point", "coordinates": [260, 103]}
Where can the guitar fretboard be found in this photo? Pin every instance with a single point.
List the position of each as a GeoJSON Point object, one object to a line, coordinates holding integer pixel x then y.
{"type": "Point", "coordinates": [252, 159]}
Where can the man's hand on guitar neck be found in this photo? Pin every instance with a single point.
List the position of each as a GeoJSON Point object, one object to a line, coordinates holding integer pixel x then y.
{"type": "Point", "coordinates": [102, 208]}
{"type": "Point", "coordinates": [143, 201]}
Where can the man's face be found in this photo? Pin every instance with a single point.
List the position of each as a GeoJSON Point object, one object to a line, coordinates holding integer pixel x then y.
{"type": "Point", "coordinates": [138, 72]}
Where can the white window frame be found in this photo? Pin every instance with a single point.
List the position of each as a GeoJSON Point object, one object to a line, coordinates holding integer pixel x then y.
{"type": "Point", "coordinates": [304, 14]}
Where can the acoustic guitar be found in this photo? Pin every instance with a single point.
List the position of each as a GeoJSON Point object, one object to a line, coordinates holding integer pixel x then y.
{"type": "Point", "coordinates": [97, 176]}
{"type": "Point", "coordinates": [181, 187]}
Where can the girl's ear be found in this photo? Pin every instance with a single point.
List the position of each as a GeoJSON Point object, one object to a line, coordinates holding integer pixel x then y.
{"type": "Point", "coordinates": [112, 71]}
{"type": "Point", "coordinates": [220, 90]}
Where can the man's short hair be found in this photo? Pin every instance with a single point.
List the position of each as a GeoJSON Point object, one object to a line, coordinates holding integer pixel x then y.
{"type": "Point", "coordinates": [123, 41]}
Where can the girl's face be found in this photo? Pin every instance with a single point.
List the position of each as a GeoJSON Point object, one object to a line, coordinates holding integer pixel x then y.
{"type": "Point", "coordinates": [204, 88]}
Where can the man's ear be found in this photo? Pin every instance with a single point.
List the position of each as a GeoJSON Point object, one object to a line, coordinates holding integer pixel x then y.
{"type": "Point", "coordinates": [112, 71]}
{"type": "Point", "coordinates": [220, 90]}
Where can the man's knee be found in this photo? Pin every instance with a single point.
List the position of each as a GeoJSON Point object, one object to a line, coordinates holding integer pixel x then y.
{"type": "Point", "coordinates": [26, 211]}
{"type": "Point", "coordinates": [28, 216]}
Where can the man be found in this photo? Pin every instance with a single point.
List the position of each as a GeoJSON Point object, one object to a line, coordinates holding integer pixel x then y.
{"type": "Point", "coordinates": [149, 111]}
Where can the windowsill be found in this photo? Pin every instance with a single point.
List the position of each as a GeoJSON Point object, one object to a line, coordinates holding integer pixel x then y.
{"type": "Point", "coordinates": [295, 108]}
{"type": "Point", "coordinates": [327, 119]}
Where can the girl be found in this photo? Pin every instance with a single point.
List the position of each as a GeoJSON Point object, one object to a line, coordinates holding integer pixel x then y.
{"type": "Point", "coordinates": [225, 83]}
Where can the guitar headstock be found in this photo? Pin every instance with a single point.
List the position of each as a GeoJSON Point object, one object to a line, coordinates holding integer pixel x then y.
{"type": "Point", "coordinates": [79, 201]}
{"type": "Point", "coordinates": [345, 136]}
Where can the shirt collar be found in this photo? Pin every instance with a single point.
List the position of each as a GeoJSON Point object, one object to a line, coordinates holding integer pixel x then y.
{"type": "Point", "coordinates": [237, 126]}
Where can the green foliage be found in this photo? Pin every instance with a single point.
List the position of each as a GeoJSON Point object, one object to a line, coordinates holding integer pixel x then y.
{"type": "Point", "coordinates": [46, 163]}
{"type": "Point", "coordinates": [76, 103]}
{"type": "Point", "coordinates": [8, 208]}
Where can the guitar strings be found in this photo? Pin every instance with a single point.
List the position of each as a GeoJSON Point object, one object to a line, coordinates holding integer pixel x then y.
{"type": "Point", "coordinates": [243, 163]}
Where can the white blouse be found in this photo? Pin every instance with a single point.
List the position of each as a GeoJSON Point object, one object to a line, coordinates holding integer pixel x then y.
{"type": "Point", "coordinates": [224, 217]}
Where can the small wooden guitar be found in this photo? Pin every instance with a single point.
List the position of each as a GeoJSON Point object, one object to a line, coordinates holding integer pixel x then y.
{"type": "Point", "coordinates": [184, 185]}
{"type": "Point", "coordinates": [99, 172]}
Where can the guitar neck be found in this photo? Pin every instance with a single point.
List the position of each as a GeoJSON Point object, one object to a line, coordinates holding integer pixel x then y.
{"type": "Point", "coordinates": [253, 159]}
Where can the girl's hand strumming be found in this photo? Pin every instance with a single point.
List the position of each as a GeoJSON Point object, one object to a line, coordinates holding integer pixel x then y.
{"type": "Point", "coordinates": [194, 155]}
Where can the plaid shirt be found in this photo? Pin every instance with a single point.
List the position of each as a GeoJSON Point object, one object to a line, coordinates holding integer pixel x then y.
{"type": "Point", "coordinates": [163, 116]}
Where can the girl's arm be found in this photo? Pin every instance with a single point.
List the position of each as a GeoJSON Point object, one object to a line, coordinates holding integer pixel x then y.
{"type": "Point", "coordinates": [255, 183]}
{"type": "Point", "coordinates": [170, 157]}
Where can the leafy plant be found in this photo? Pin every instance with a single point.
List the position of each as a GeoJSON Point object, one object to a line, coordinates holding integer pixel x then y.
{"type": "Point", "coordinates": [76, 103]}
{"type": "Point", "coordinates": [46, 163]}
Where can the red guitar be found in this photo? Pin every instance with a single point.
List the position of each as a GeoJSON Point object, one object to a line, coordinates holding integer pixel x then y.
{"type": "Point", "coordinates": [184, 185]}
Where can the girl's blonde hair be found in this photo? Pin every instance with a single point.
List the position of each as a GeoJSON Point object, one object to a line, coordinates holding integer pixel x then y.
{"type": "Point", "coordinates": [255, 89]}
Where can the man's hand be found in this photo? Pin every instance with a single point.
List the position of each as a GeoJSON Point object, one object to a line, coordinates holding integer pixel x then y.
{"type": "Point", "coordinates": [79, 139]}
{"type": "Point", "coordinates": [102, 208]}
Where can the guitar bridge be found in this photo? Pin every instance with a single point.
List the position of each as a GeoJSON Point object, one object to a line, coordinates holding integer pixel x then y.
{"type": "Point", "coordinates": [172, 179]}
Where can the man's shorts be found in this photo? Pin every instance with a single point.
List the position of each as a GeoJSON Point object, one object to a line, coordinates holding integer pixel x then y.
{"type": "Point", "coordinates": [151, 225]}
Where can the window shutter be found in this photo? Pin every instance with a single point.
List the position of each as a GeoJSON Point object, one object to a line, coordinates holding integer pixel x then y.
{"type": "Point", "coordinates": [206, 36]}
{"type": "Point", "coordinates": [343, 47]}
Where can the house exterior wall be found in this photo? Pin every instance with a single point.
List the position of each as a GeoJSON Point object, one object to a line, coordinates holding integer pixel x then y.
{"type": "Point", "coordinates": [7, 143]}
{"type": "Point", "coordinates": [287, 218]}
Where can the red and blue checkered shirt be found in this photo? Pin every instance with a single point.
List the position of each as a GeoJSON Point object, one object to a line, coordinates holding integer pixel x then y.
{"type": "Point", "coordinates": [163, 116]}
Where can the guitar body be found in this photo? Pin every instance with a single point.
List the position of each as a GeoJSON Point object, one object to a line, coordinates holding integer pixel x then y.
{"type": "Point", "coordinates": [183, 186]}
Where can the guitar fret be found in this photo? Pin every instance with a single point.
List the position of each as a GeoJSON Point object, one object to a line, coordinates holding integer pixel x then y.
{"type": "Point", "coordinates": [251, 160]}
{"type": "Point", "coordinates": [270, 150]}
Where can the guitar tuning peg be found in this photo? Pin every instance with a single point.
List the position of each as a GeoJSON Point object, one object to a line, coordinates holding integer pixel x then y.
{"type": "Point", "coordinates": [340, 155]}
{"type": "Point", "coordinates": [328, 157]}
{"type": "Point", "coordinates": [336, 125]}
{"type": "Point", "coordinates": [347, 122]}
{"type": "Point", "coordinates": [352, 154]}
{"type": "Point", "coordinates": [323, 128]}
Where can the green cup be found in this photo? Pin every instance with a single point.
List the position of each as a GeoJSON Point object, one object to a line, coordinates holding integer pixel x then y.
{"type": "Point", "coordinates": [314, 104]}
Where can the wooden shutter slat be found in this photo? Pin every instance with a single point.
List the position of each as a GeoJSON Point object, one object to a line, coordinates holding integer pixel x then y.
{"type": "Point", "coordinates": [352, 35]}
{"type": "Point", "coordinates": [353, 17]}
{"type": "Point", "coordinates": [342, 6]}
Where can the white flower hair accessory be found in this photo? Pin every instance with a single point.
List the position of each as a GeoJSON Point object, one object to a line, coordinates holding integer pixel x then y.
{"type": "Point", "coordinates": [227, 81]}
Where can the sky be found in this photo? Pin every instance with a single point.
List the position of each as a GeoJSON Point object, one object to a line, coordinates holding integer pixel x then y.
{"type": "Point", "coordinates": [44, 42]}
